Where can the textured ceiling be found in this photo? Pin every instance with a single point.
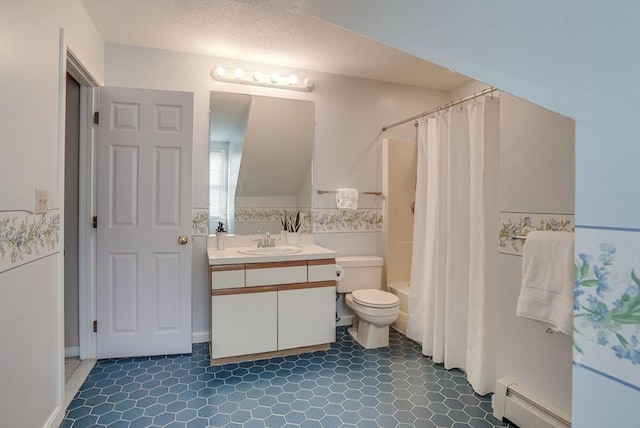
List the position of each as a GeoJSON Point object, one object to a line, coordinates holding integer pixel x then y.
{"type": "Point", "coordinates": [264, 31]}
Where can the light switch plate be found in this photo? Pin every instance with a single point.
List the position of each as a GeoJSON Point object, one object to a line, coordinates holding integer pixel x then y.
{"type": "Point", "coordinates": [41, 202]}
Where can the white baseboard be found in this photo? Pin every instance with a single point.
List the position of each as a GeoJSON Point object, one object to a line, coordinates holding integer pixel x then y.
{"type": "Point", "coordinates": [55, 419]}
{"type": "Point", "coordinates": [200, 336]}
{"type": "Point", "coordinates": [345, 320]}
{"type": "Point", "coordinates": [72, 351]}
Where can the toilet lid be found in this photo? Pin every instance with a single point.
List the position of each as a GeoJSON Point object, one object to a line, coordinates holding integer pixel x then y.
{"type": "Point", "coordinates": [375, 298]}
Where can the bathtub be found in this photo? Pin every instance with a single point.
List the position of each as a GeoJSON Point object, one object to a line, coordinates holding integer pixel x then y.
{"type": "Point", "coordinates": [401, 289]}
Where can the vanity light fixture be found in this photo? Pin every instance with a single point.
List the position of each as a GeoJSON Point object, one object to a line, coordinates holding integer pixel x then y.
{"type": "Point", "coordinates": [257, 78]}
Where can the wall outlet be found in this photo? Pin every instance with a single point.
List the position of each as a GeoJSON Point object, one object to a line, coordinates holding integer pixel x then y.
{"type": "Point", "coordinates": [41, 202]}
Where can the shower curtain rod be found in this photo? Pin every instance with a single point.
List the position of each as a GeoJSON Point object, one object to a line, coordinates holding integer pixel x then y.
{"type": "Point", "coordinates": [442, 107]}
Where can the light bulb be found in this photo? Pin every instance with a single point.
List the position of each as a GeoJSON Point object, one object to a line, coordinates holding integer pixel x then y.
{"type": "Point", "coordinates": [220, 71]}
{"type": "Point", "coordinates": [293, 79]}
{"type": "Point", "coordinates": [239, 73]}
{"type": "Point", "coordinates": [275, 77]}
{"type": "Point", "coordinates": [308, 83]}
{"type": "Point", "coordinates": [257, 76]}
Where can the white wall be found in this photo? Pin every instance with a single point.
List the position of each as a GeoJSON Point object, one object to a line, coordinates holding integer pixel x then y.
{"type": "Point", "coordinates": [31, 315]}
{"type": "Point", "coordinates": [536, 177]}
{"type": "Point", "coordinates": [349, 114]}
{"type": "Point", "coordinates": [581, 60]}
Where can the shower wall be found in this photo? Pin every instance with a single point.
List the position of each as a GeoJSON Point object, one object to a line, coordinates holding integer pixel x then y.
{"type": "Point", "coordinates": [399, 160]}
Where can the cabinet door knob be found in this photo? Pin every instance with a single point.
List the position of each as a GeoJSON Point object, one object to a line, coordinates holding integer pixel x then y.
{"type": "Point", "coordinates": [182, 240]}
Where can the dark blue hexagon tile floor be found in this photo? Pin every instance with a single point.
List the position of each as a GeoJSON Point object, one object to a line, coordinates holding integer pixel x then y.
{"type": "Point", "coordinates": [346, 386]}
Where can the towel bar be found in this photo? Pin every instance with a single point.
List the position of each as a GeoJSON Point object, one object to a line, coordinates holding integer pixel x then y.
{"type": "Point", "coordinates": [320, 192]}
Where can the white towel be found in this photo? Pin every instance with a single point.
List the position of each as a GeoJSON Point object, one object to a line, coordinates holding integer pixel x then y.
{"type": "Point", "coordinates": [347, 199]}
{"type": "Point", "coordinates": [547, 280]}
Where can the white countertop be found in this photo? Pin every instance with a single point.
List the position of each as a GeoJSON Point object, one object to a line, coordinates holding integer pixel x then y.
{"type": "Point", "coordinates": [230, 255]}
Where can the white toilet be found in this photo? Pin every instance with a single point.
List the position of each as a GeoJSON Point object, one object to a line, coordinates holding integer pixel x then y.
{"type": "Point", "coordinates": [375, 310]}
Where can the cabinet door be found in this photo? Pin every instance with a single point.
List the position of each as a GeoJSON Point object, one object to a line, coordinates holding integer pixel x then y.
{"type": "Point", "coordinates": [244, 323]}
{"type": "Point", "coordinates": [306, 315]}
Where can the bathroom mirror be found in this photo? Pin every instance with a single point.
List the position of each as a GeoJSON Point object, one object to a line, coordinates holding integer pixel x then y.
{"type": "Point", "coordinates": [260, 160]}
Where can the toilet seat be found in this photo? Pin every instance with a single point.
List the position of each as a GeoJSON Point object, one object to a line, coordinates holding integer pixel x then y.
{"type": "Point", "coordinates": [373, 298]}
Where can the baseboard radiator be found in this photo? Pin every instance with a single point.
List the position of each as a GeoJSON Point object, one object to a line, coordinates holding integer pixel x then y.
{"type": "Point", "coordinates": [523, 408]}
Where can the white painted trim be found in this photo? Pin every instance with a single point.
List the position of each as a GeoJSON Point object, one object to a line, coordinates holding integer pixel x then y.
{"type": "Point", "coordinates": [89, 79]}
{"type": "Point", "coordinates": [71, 59]}
{"type": "Point", "coordinates": [86, 233]}
{"type": "Point", "coordinates": [81, 70]}
{"type": "Point", "coordinates": [71, 352]}
{"type": "Point", "coordinates": [55, 419]}
{"type": "Point", "coordinates": [200, 336]}
{"type": "Point", "coordinates": [62, 83]}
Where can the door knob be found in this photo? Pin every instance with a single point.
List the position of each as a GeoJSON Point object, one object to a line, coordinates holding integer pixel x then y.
{"type": "Point", "coordinates": [182, 240]}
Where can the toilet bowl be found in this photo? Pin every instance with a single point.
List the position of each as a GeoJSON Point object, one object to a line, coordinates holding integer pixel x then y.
{"type": "Point", "coordinates": [373, 308]}
{"type": "Point", "coordinates": [371, 328]}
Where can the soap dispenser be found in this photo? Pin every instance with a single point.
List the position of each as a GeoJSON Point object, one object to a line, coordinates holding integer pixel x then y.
{"type": "Point", "coordinates": [220, 234]}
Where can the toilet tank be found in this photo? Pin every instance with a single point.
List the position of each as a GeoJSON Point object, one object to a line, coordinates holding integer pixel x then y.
{"type": "Point", "coordinates": [360, 272]}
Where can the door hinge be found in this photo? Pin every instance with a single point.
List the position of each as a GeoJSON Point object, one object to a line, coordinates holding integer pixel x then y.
{"type": "Point", "coordinates": [94, 222]}
{"type": "Point", "coordinates": [96, 117]}
{"type": "Point", "coordinates": [95, 326]}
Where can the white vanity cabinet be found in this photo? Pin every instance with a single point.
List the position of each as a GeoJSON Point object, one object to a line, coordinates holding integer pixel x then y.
{"type": "Point", "coordinates": [268, 309]}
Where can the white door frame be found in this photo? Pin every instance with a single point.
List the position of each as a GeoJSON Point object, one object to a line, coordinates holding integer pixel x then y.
{"type": "Point", "coordinates": [72, 61]}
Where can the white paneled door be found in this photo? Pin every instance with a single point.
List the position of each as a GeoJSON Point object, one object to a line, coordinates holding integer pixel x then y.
{"type": "Point", "coordinates": [145, 142]}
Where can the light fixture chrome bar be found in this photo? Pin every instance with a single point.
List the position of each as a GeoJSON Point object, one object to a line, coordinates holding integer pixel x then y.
{"type": "Point", "coordinates": [321, 192]}
{"type": "Point", "coordinates": [258, 78]}
{"type": "Point", "coordinates": [442, 107]}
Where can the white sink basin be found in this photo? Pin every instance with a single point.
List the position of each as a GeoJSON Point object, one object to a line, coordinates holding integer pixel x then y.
{"type": "Point", "coordinates": [270, 251]}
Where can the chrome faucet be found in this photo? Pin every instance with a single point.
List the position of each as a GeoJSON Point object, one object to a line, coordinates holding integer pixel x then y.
{"type": "Point", "coordinates": [266, 241]}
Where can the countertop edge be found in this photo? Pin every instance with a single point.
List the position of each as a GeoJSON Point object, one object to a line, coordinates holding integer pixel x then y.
{"type": "Point", "coordinates": [316, 253]}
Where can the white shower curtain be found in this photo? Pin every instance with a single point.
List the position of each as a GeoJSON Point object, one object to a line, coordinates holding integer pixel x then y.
{"type": "Point", "coordinates": [453, 272]}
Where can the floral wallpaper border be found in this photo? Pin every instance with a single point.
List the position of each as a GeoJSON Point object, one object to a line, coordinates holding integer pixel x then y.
{"type": "Point", "coordinates": [518, 224]}
{"type": "Point", "coordinates": [200, 218]}
{"type": "Point", "coordinates": [335, 220]}
{"type": "Point", "coordinates": [25, 237]}
{"type": "Point", "coordinates": [200, 222]}
{"type": "Point", "coordinates": [606, 334]}
{"type": "Point", "coordinates": [258, 214]}
{"type": "Point", "coordinates": [274, 215]}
